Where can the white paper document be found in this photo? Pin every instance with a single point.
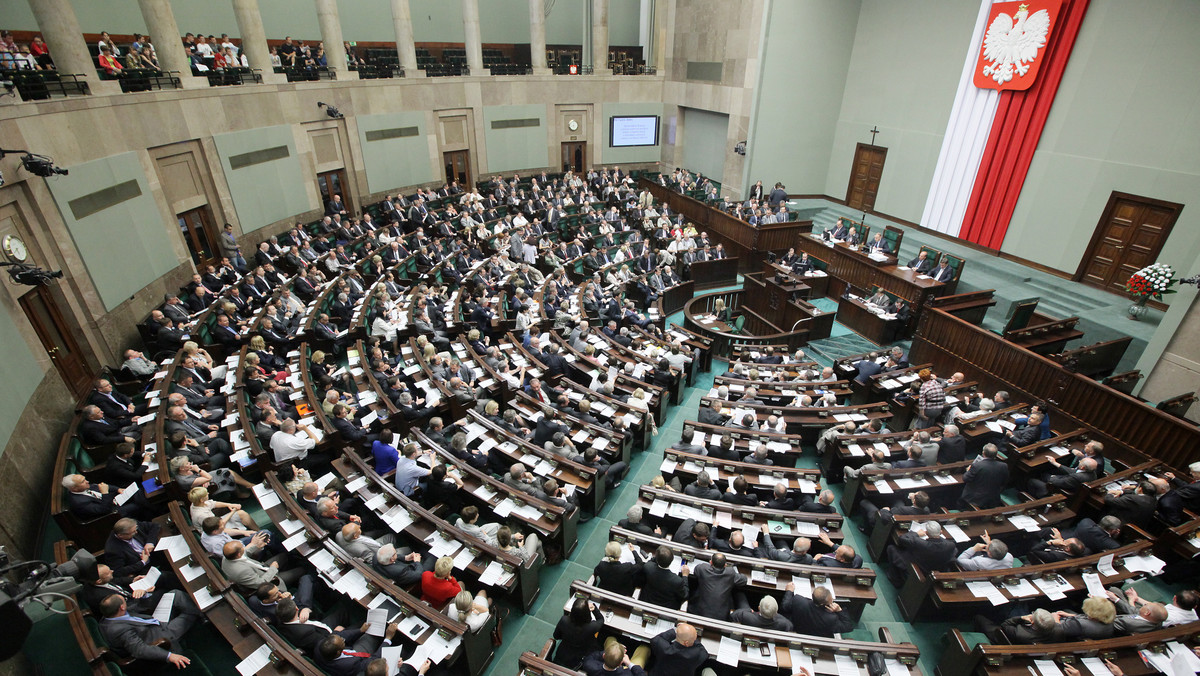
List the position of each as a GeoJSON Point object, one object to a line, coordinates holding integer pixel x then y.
{"type": "Point", "coordinates": [148, 581]}
{"type": "Point", "coordinates": [256, 661]}
{"type": "Point", "coordinates": [1048, 668]}
{"type": "Point", "coordinates": [376, 621]}
{"type": "Point", "coordinates": [730, 651]}
{"type": "Point", "coordinates": [162, 612]}
{"type": "Point", "coordinates": [1094, 586]}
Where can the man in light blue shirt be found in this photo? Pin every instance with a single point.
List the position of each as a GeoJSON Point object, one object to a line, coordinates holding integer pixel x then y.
{"type": "Point", "coordinates": [408, 472]}
{"type": "Point", "coordinates": [987, 555]}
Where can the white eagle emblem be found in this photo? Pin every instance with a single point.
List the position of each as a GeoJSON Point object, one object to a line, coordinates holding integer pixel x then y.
{"type": "Point", "coordinates": [1011, 46]}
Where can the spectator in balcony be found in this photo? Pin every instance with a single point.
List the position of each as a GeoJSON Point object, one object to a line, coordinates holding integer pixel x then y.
{"type": "Point", "coordinates": [276, 60]}
{"type": "Point", "coordinates": [108, 61]}
{"type": "Point", "coordinates": [106, 41]}
{"type": "Point", "coordinates": [287, 52]}
{"type": "Point", "coordinates": [41, 53]}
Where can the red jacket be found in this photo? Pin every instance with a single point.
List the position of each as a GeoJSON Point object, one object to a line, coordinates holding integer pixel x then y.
{"type": "Point", "coordinates": [437, 591]}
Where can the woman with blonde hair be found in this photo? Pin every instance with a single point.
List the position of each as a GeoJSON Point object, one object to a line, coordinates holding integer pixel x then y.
{"type": "Point", "coordinates": [638, 400]}
{"type": "Point", "coordinates": [234, 517]}
{"type": "Point", "coordinates": [438, 585]}
{"type": "Point", "coordinates": [722, 313]}
{"type": "Point", "coordinates": [470, 610]}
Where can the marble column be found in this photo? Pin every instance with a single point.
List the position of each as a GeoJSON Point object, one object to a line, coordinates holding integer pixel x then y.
{"type": "Point", "coordinates": [59, 27]}
{"type": "Point", "coordinates": [600, 37]}
{"type": "Point", "coordinates": [406, 47]}
{"type": "Point", "coordinates": [331, 37]}
{"type": "Point", "coordinates": [474, 41]}
{"type": "Point", "coordinates": [164, 31]}
{"type": "Point", "coordinates": [537, 37]}
{"type": "Point", "coordinates": [254, 39]}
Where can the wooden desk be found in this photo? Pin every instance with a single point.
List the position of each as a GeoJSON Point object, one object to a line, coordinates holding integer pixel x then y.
{"type": "Point", "coordinates": [715, 274]}
{"type": "Point", "coordinates": [853, 268]}
{"type": "Point", "coordinates": [818, 281]}
{"type": "Point", "coordinates": [741, 240]}
{"type": "Point", "coordinates": [857, 316]}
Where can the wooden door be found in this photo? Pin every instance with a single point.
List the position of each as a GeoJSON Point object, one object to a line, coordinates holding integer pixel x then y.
{"type": "Point", "coordinates": [196, 226]}
{"type": "Point", "coordinates": [865, 174]}
{"type": "Point", "coordinates": [1129, 236]}
{"type": "Point", "coordinates": [458, 167]}
{"type": "Point", "coordinates": [574, 156]}
{"type": "Point", "coordinates": [58, 337]}
{"type": "Point", "coordinates": [332, 183]}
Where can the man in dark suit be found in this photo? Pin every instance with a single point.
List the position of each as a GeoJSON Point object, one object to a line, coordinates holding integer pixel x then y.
{"type": "Point", "coordinates": [133, 635]}
{"type": "Point", "coordinates": [921, 264]}
{"type": "Point", "coordinates": [96, 430]}
{"type": "Point", "coordinates": [676, 651]}
{"type": "Point", "coordinates": [917, 504]}
{"type": "Point", "coordinates": [692, 533]}
{"type": "Point", "coordinates": [867, 368]}
{"type": "Point", "coordinates": [1057, 549]}
{"type": "Point", "coordinates": [818, 616]}
{"type": "Point", "coordinates": [925, 547]}
{"type": "Point", "coordinates": [1063, 479]}
{"type": "Point", "coordinates": [711, 414]}
{"type": "Point", "coordinates": [116, 406]}
{"type": "Point", "coordinates": [943, 272]}
{"type": "Point", "coordinates": [1183, 495]}
{"type": "Point", "coordinates": [91, 501]}
{"type": "Point", "coordinates": [1028, 433]}
{"type": "Point", "coordinates": [951, 447]}
{"type": "Point", "coordinates": [352, 433]}
{"type": "Point", "coordinates": [984, 480]}
{"type": "Point", "coordinates": [1098, 537]}
{"type": "Point", "coordinates": [129, 546]}
{"type": "Point", "coordinates": [403, 566]}
{"type": "Point", "coordinates": [293, 624]}
{"type": "Point", "coordinates": [797, 554]}
{"type": "Point", "coordinates": [715, 584]}
{"type": "Point", "coordinates": [121, 469]}
{"type": "Point", "coordinates": [662, 587]}
{"type": "Point", "coordinates": [767, 617]}
{"type": "Point", "coordinates": [1132, 506]}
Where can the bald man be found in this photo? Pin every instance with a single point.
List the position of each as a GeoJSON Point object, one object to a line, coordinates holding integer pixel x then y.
{"type": "Point", "coordinates": [676, 652]}
{"type": "Point", "coordinates": [1130, 620]}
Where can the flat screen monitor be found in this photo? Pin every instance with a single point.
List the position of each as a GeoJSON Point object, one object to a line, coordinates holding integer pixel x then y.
{"type": "Point", "coordinates": [633, 130]}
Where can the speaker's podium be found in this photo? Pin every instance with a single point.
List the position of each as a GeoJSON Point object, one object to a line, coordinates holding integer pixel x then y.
{"type": "Point", "coordinates": [780, 302]}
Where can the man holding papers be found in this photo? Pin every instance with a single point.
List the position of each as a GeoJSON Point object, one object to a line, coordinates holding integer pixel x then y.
{"type": "Point", "coordinates": [338, 658]}
{"type": "Point", "coordinates": [131, 635]}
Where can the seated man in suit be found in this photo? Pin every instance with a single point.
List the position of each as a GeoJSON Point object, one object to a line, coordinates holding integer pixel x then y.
{"type": "Point", "coordinates": [89, 501]}
{"type": "Point", "coordinates": [943, 272]}
{"type": "Point", "coordinates": [925, 547]}
{"type": "Point", "coordinates": [842, 557]}
{"type": "Point", "coordinates": [243, 570]}
{"type": "Point", "coordinates": [1131, 620]}
{"type": "Point", "coordinates": [1182, 495]}
{"type": "Point", "coordinates": [116, 406]}
{"type": "Point", "coordinates": [951, 446]}
{"type": "Point", "coordinates": [633, 522]}
{"type": "Point", "coordinates": [714, 593]}
{"type": "Point", "coordinates": [921, 264]}
{"type": "Point", "coordinates": [990, 554]}
{"type": "Point", "coordinates": [1133, 504]}
{"type": "Point", "coordinates": [133, 635]}
{"type": "Point", "coordinates": [97, 430]}
{"type": "Point", "coordinates": [767, 617]}
{"type": "Point", "coordinates": [403, 566]}
{"type": "Point", "coordinates": [711, 414]}
{"type": "Point", "coordinates": [1058, 548]}
{"type": "Point", "coordinates": [294, 624]}
{"type": "Point", "coordinates": [916, 505]}
{"type": "Point", "coordinates": [818, 616]}
{"type": "Point", "coordinates": [99, 583]}
{"type": "Point", "coordinates": [661, 586]}
{"type": "Point", "coordinates": [797, 554]}
{"type": "Point", "coordinates": [822, 505]}
{"type": "Point", "coordinates": [129, 546]}
{"type": "Point", "coordinates": [867, 367]}
{"type": "Point", "coordinates": [361, 547]}
{"type": "Point", "coordinates": [1063, 479]}
{"type": "Point", "coordinates": [879, 245]}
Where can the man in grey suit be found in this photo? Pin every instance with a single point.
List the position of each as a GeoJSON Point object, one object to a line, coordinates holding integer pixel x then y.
{"type": "Point", "coordinates": [767, 617]}
{"type": "Point", "coordinates": [242, 570]}
{"type": "Point", "coordinates": [360, 546]}
{"type": "Point", "coordinates": [1130, 620]}
{"type": "Point", "coordinates": [987, 555]}
{"type": "Point", "coordinates": [797, 554]}
{"type": "Point", "coordinates": [132, 636]}
{"type": "Point", "coordinates": [402, 567]}
{"type": "Point", "coordinates": [715, 582]}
